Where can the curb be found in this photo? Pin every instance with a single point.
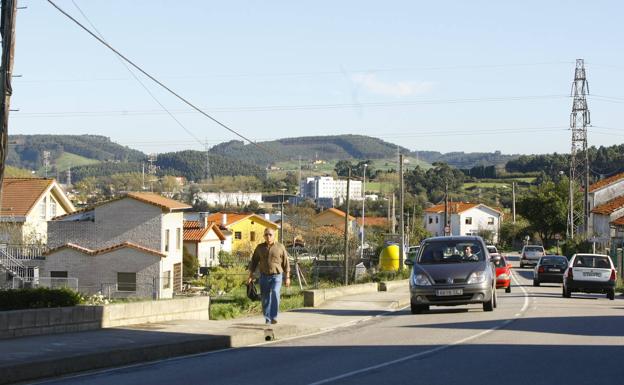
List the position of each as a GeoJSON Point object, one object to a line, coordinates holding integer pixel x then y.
{"type": "Point", "coordinates": [239, 335]}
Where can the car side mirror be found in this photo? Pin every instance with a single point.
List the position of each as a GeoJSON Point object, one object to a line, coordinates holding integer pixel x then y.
{"type": "Point", "coordinates": [409, 262]}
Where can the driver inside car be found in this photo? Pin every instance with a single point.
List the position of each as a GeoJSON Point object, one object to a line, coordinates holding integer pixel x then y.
{"type": "Point", "coordinates": [468, 255]}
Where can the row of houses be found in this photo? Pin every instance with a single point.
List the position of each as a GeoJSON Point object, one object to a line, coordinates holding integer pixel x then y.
{"type": "Point", "coordinates": [130, 246]}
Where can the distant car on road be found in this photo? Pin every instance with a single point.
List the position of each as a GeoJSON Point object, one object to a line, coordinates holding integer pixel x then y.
{"type": "Point", "coordinates": [590, 273]}
{"type": "Point", "coordinates": [550, 268]}
{"type": "Point", "coordinates": [492, 250]}
{"type": "Point", "coordinates": [503, 272]}
{"type": "Point", "coordinates": [452, 271]}
{"type": "Point", "coordinates": [531, 254]}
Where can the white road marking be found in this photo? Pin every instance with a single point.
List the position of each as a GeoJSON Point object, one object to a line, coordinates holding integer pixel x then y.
{"type": "Point", "coordinates": [430, 351]}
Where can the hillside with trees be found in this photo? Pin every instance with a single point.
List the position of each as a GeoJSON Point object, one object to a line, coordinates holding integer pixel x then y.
{"type": "Point", "coordinates": [309, 148]}
{"type": "Point", "coordinates": [26, 151]}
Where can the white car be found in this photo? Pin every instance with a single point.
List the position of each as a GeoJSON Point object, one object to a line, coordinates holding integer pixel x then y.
{"type": "Point", "coordinates": [590, 273]}
{"type": "Point", "coordinates": [531, 254]}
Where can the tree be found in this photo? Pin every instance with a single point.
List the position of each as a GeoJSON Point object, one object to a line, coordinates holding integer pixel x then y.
{"type": "Point", "coordinates": [546, 208]}
{"type": "Point", "coordinates": [190, 264]}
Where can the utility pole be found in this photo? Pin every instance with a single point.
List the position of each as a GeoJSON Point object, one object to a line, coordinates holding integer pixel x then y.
{"type": "Point", "coordinates": [299, 194]}
{"type": "Point", "coordinates": [7, 30]}
{"type": "Point", "coordinates": [513, 201]}
{"type": "Point", "coordinates": [207, 163]}
{"type": "Point", "coordinates": [346, 233]}
{"type": "Point", "coordinates": [446, 208]}
{"type": "Point", "coordinates": [363, 207]}
{"type": "Point", "coordinates": [402, 212]}
{"type": "Point", "coordinates": [281, 230]}
{"type": "Point", "coordinates": [579, 161]}
{"type": "Point", "coordinates": [393, 215]}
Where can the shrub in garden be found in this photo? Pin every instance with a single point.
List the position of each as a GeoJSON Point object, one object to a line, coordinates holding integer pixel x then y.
{"type": "Point", "coordinates": [40, 297]}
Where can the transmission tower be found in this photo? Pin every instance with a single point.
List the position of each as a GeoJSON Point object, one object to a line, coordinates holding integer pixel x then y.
{"type": "Point", "coordinates": [578, 215]}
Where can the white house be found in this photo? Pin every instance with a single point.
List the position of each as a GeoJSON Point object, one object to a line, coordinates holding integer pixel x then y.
{"type": "Point", "coordinates": [602, 217]}
{"type": "Point", "coordinates": [464, 219]}
{"type": "Point", "coordinates": [129, 246]}
{"type": "Point", "coordinates": [27, 204]}
{"type": "Point", "coordinates": [204, 240]}
{"type": "Point", "coordinates": [603, 194]}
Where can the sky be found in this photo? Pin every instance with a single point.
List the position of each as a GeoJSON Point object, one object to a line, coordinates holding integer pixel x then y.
{"type": "Point", "coordinates": [472, 76]}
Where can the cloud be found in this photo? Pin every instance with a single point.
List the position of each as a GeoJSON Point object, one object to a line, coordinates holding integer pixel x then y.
{"type": "Point", "coordinates": [398, 89]}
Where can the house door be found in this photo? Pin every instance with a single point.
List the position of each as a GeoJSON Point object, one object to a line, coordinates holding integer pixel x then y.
{"type": "Point", "coordinates": [177, 277]}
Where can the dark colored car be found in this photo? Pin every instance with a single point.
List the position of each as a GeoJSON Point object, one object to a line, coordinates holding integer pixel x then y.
{"type": "Point", "coordinates": [451, 271]}
{"type": "Point", "coordinates": [550, 269]}
{"type": "Point", "coordinates": [590, 273]}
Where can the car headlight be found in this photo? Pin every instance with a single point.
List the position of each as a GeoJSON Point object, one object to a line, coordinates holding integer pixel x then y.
{"type": "Point", "coordinates": [421, 280]}
{"type": "Point", "coordinates": [476, 277]}
{"type": "Point", "coordinates": [502, 276]}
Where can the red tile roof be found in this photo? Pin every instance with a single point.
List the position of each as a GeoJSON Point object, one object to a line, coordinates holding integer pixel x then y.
{"type": "Point", "coordinates": [234, 217]}
{"type": "Point", "coordinates": [605, 182]}
{"type": "Point", "coordinates": [337, 212]}
{"type": "Point", "coordinates": [149, 198]}
{"type": "Point", "coordinates": [158, 200]}
{"type": "Point", "coordinates": [374, 221]}
{"type": "Point", "coordinates": [610, 206]}
{"type": "Point", "coordinates": [454, 207]}
{"type": "Point", "coordinates": [194, 233]}
{"type": "Point", "coordinates": [106, 249]}
{"type": "Point", "coordinates": [619, 221]}
{"type": "Point", "coordinates": [19, 195]}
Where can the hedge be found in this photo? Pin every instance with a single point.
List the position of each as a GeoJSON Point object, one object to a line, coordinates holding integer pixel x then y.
{"type": "Point", "coordinates": [37, 298]}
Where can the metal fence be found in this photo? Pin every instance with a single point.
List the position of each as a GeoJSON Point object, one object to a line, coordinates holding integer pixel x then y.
{"type": "Point", "coordinates": [49, 282]}
{"type": "Point", "coordinates": [23, 252]}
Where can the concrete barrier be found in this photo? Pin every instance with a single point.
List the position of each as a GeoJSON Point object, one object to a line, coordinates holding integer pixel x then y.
{"type": "Point", "coordinates": [314, 298]}
{"type": "Point", "coordinates": [391, 285]}
{"type": "Point", "coordinates": [31, 322]}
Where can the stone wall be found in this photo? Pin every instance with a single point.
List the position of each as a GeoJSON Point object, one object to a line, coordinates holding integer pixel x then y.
{"type": "Point", "coordinates": [19, 323]}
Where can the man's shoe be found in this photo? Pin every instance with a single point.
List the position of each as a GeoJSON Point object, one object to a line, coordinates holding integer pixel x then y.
{"type": "Point", "coordinates": [273, 321]}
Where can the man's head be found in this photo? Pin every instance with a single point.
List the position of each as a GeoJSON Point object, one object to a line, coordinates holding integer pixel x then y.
{"type": "Point", "coordinates": [269, 236]}
{"type": "Point", "coordinates": [467, 250]}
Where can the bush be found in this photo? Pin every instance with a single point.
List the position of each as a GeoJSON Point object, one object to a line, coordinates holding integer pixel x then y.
{"type": "Point", "coordinates": [35, 298]}
{"type": "Point", "coordinates": [573, 246]}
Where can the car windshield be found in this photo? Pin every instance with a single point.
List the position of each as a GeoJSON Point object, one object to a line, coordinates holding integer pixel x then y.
{"type": "Point", "coordinates": [592, 261]}
{"type": "Point", "coordinates": [534, 248]}
{"type": "Point", "coordinates": [451, 251]}
{"type": "Point", "coordinates": [554, 261]}
{"type": "Point", "coordinates": [500, 262]}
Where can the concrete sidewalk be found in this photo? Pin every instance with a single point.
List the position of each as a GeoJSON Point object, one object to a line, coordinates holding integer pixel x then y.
{"type": "Point", "coordinates": [30, 358]}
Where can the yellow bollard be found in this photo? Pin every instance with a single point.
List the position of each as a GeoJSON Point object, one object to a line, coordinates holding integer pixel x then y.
{"type": "Point", "coordinates": [389, 258]}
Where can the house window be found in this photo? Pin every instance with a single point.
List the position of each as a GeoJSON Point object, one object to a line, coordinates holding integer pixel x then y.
{"type": "Point", "coordinates": [212, 253]}
{"type": "Point", "coordinates": [252, 236]}
{"type": "Point", "coordinates": [52, 207]}
{"type": "Point", "coordinates": [490, 220]}
{"type": "Point", "coordinates": [42, 208]}
{"type": "Point", "coordinates": [430, 220]}
{"type": "Point", "coordinates": [178, 239]}
{"type": "Point", "coordinates": [167, 240]}
{"type": "Point", "coordinates": [126, 281]}
{"type": "Point", "coordinates": [238, 235]}
{"type": "Point", "coordinates": [437, 219]}
{"type": "Point", "coordinates": [167, 279]}
{"type": "Point", "coordinates": [468, 220]}
{"type": "Point", "coordinates": [58, 274]}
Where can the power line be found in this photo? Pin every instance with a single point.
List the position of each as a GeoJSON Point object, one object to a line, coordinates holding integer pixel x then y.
{"type": "Point", "coordinates": [157, 81]}
{"type": "Point", "coordinates": [139, 80]}
{"type": "Point", "coordinates": [49, 114]}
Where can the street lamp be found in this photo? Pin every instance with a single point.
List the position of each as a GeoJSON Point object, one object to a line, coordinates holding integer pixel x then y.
{"type": "Point", "coordinates": [363, 205]}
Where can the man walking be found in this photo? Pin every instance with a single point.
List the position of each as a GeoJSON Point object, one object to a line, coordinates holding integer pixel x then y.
{"type": "Point", "coordinates": [271, 258]}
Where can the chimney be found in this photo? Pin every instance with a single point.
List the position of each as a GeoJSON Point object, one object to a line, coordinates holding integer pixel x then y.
{"type": "Point", "coordinates": [203, 220]}
{"type": "Point", "coordinates": [223, 219]}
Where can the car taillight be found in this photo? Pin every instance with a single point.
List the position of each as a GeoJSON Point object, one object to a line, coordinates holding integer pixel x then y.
{"type": "Point", "coordinates": [570, 274]}
{"type": "Point", "coordinates": [612, 278]}
{"type": "Point", "coordinates": [540, 269]}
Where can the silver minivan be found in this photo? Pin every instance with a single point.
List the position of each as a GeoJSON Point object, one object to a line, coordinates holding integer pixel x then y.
{"type": "Point", "coordinates": [531, 254]}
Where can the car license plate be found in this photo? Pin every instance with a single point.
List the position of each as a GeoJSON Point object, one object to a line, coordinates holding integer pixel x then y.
{"type": "Point", "coordinates": [555, 270]}
{"type": "Point", "coordinates": [591, 274]}
{"type": "Point", "coordinates": [447, 292]}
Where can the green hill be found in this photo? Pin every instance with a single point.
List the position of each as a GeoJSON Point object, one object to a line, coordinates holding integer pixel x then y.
{"type": "Point", "coordinates": [309, 148]}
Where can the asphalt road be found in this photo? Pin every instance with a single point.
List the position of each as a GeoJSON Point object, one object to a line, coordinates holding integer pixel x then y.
{"type": "Point", "coordinates": [534, 337]}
